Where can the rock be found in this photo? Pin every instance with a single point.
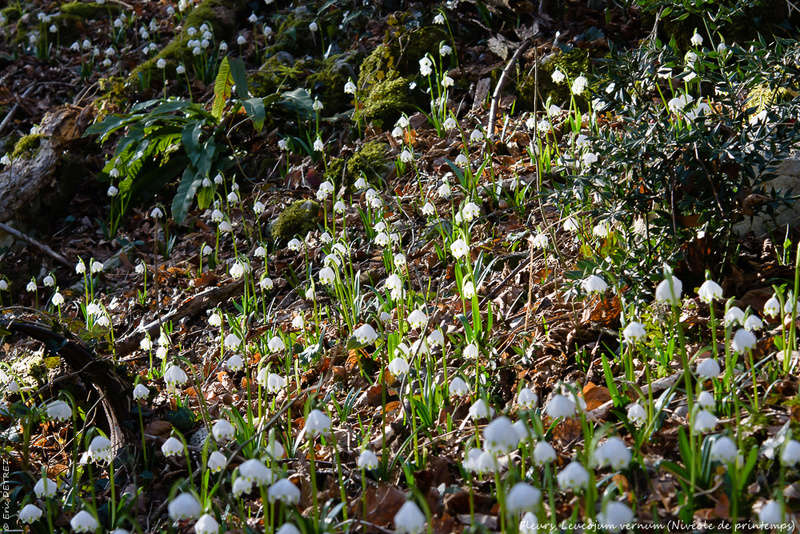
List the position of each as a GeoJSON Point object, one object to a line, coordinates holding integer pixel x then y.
{"type": "Point", "coordinates": [786, 183]}
{"type": "Point", "coordinates": [299, 218]}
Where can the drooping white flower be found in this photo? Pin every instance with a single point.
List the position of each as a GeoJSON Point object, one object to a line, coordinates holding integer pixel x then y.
{"type": "Point", "coordinates": [480, 409]}
{"type": "Point", "coordinates": [399, 366]}
{"type": "Point", "coordinates": [459, 248]}
{"type": "Point", "coordinates": [59, 410]}
{"type": "Point", "coordinates": [241, 486]}
{"type": "Point", "coordinates": [365, 334]}
{"type": "Point", "coordinates": [560, 406]}
{"type": "Point", "coordinates": [83, 521]}
{"type": "Point", "coordinates": [500, 436]}
{"type": "Point", "coordinates": [285, 492]}
{"type": "Point", "coordinates": [232, 341]}
{"type": "Point", "coordinates": [573, 477]}
{"type": "Point", "coordinates": [30, 513]}
{"type": "Point", "coordinates": [367, 460]}
{"type": "Point", "coordinates": [636, 414]}
{"type": "Point", "coordinates": [522, 497]}
{"type": "Point", "coordinates": [543, 453]}
{"type": "Point", "coordinates": [206, 525]}
{"type": "Point", "coordinates": [425, 66]}
{"type": "Point", "coordinates": [614, 516]}
{"type": "Point", "coordinates": [527, 398]}
{"type": "Point", "coordinates": [222, 430]}
{"type": "Point", "coordinates": [417, 319]}
{"type": "Point", "coordinates": [771, 514]}
{"type": "Point", "coordinates": [350, 87]}
{"type": "Point", "coordinates": [184, 506]}
{"type": "Point", "coordinates": [140, 392]}
{"type": "Point", "coordinates": [743, 340]}
{"type": "Point", "coordinates": [724, 450]}
{"type": "Point", "coordinates": [57, 299]}
{"type": "Point", "coordinates": [409, 519]}
{"type": "Point", "coordinates": [704, 421]}
{"type": "Point", "coordinates": [324, 191]}
{"type": "Point", "coordinates": [276, 344]}
{"type": "Point", "coordinates": [100, 449]}
{"type": "Point", "coordinates": [708, 368]}
{"type": "Point", "coordinates": [772, 308]}
{"type": "Point", "coordinates": [790, 455]}
{"type": "Point", "coordinates": [669, 290]}
{"type": "Point", "coordinates": [45, 488]}
{"type": "Point", "coordinates": [578, 85]}
{"type": "Point", "coordinates": [753, 323]}
{"type": "Point", "coordinates": [696, 39]}
{"type": "Point", "coordinates": [709, 291]}
{"type": "Point", "coordinates": [458, 388]}
{"type": "Point", "coordinates": [172, 447]}
{"type": "Point", "coordinates": [288, 528]}
{"type": "Point", "coordinates": [613, 453]}
{"type": "Point", "coordinates": [216, 461]}
{"type": "Point", "coordinates": [256, 472]}
{"type": "Point", "coordinates": [318, 145]}
{"type": "Point", "coordinates": [734, 315]}
{"type": "Point", "coordinates": [175, 376]}
{"type": "Point", "coordinates": [317, 423]}
{"type": "Point", "coordinates": [594, 284]}
{"type": "Point", "coordinates": [706, 400]}
{"type": "Point", "coordinates": [633, 332]}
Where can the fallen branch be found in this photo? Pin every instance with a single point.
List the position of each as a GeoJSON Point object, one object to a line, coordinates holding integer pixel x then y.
{"type": "Point", "coordinates": [202, 301]}
{"type": "Point", "coordinates": [36, 244]}
{"type": "Point", "coordinates": [499, 87]}
{"type": "Point", "coordinates": [14, 108]}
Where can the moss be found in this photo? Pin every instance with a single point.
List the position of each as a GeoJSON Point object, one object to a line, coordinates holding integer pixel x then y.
{"type": "Point", "coordinates": [335, 170]}
{"type": "Point", "coordinates": [11, 13]}
{"type": "Point", "coordinates": [763, 97]}
{"type": "Point", "coordinates": [572, 63]}
{"type": "Point", "coordinates": [383, 93]}
{"type": "Point", "coordinates": [30, 370]}
{"type": "Point", "coordinates": [220, 14]}
{"type": "Point", "coordinates": [328, 80]}
{"type": "Point", "coordinates": [370, 159]}
{"type": "Point", "coordinates": [277, 73]}
{"type": "Point", "coordinates": [299, 218]}
{"type": "Point", "coordinates": [27, 147]}
{"type": "Point", "coordinates": [413, 45]}
{"type": "Point", "coordinates": [89, 10]}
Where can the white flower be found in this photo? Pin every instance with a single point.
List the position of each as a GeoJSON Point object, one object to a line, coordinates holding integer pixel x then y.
{"type": "Point", "coordinates": [318, 146]}
{"type": "Point", "coordinates": [325, 190]}
{"type": "Point", "coordinates": [790, 455]}
{"type": "Point", "coordinates": [327, 276]}
{"type": "Point", "coordinates": [704, 421]}
{"type": "Point", "coordinates": [350, 87]}
{"type": "Point", "coordinates": [172, 447]}
{"type": "Point", "coordinates": [288, 528]}
{"type": "Point", "coordinates": [771, 514]}
{"type": "Point", "coordinates": [112, 191]}
{"type": "Point", "coordinates": [83, 521]}
{"type": "Point", "coordinates": [669, 290]}
{"type": "Point", "coordinates": [560, 406]}
{"type": "Point", "coordinates": [529, 524]}
{"type": "Point", "coordinates": [284, 491]}
{"type": "Point", "coordinates": [180, 69]}
{"type": "Point", "coordinates": [471, 351]}
{"type": "Point", "coordinates": [45, 488]}
{"type": "Point", "coordinates": [594, 284]}
{"type": "Point", "coordinates": [734, 315]}
{"type": "Point", "coordinates": [573, 477]}
{"type": "Point", "coordinates": [480, 409]}
{"type": "Point", "coordinates": [500, 436]}
{"type": "Point", "coordinates": [458, 388]}
{"type": "Point", "coordinates": [339, 207]}
{"type": "Point", "coordinates": [470, 211]}
{"type": "Point", "coordinates": [406, 156]}
{"type": "Point", "coordinates": [206, 250]}
{"type": "Point", "coordinates": [58, 299]}
{"type": "Point", "coordinates": [266, 283]}
{"type": "Point", "coordinates": [100, 449]}
{"type": "Point", "coordinates": [232, 341]}
{"type": "Point", "coordinates": [140, 392]}
{"type": "Point", "coordinates": [294, 245]}
{"type": "Point", "coordinates": [398, 366]}
{"type": "Point", "coordinates": [603, 228]}
{"type": "Point", "coordinates": [30, 513]}
{"type": "Point", "coordinates": [59, 411]}
{"type": "Point", "coordinates": [527, 398]}
{"type": "Point", "coordinates": [571, 225]}
{"type": "Point", "coordinates": [222, 430]}
{"type": "Point", "coordinates": [615, 516]}
{"type": "Point", "coordinates": [475, 136]}
{"type": "Point", "coordinates": [256, 472]}
{"type": "Point", "coordinates": [445, 50]}
{"type": "Point", "coordinates": [696, 39]}
{"type": "Point", "coordinates": [633, 332]}
{"type": "Point", "coordinates": [743, 340]}
{"type": "Point", "coordinates": [317, 423]}
{"type": "Point", "coordinates": [558, 76]}
{"type": "Point", "coordinates": [313, 27]}
{"type": "Point", "coordinates": [175, 376]}
{"type": "Point", "coordinates": [216, 461]}
{"type": "Point", "coordinates": [276, 344]}
{"type": "Point", "coordinates": [706, 400]}
{"type": "Point", "coordinates": [438, 19]}
{"type": "Point", "coordinates": [578, 85]}
{"type": "Point", "coordinates": [772, 308]}
{"type": "Point", "coordinates": [444, 190]}
{"type": "Point", "coordinates": [365, 334]}
{"type": "Point", "coordinates": [522, 497]}
{"type": "Point", "coordinates": [459, 248]}
{"type": "Point", "coordinates": [409, 519]}
{"type": "Point", "coordinates": [241, 486]}
{"type": "Point", "coordinates": [522, 430]}
{"type": "Point", "coordinates": [417, 319]}
{"type": "Point", "coordinates": [724, 450]}
{"type": "Point", "coordinates": [275, 383]}
{"type": "Point", "coordinates": [543, 453]}
{"type": "Point", "coordinates": [708, 368]}
{"type": "Point", "coordinates": [184, 506]}
{"type": "Point", "coordinates": [613, 453]}
{"type": "Point", "coordinates": [206, 525]}
{"type": "Point", "coordinates": [486, 463]}
{"type": "Point", "coordinates": [425, 66]}
{"type": "Point", "coordinates": [237, 270]}
{"type": "Point", "coordinates": [31, 287]}
{"type": "Point", "coordinates": [156, 213]}
{"type": "Point", "coordinates": [449, 124]}
{"type": "Point", "coordinates": [753, 323]}
{"type": "Point", "coordinates": [468, 290]}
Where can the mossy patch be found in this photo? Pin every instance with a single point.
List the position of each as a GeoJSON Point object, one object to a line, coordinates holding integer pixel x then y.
{"type": "Point", "coordinates": [414, 44]}
{"type": "Point", "coordinates": [11, 13]}
{"type": "Point", "coordinates": [328, 80]}
{"type": "Point", "coordinates": [371, 159]}
{"type": "Point", "coordinates": [383, 93]}
{"type": "Point", "coordinates": [30, 370]}
{"type": "Point", "coordinates": [299, 218]}
{"type": "Point", "coordinates": [27, 147]}
{"type": "Point", "coordinates": [278, 73]}
{"type": "Point", "coordinates": [572, 63]}
{"type": "Point", "coordinates": [763, 97]}
{"type": "Point", "coordinates": [90, 10]}
{"type": "Point", "coordinates": [220, 14]}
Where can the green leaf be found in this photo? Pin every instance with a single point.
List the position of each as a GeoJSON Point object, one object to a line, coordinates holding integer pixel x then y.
{"type": "Point", "coordinates": [222, 88]}
{"type": "Point", "coordinates": [239, 77]}
{"type": "Point", "coordinates": [185, 195]}
{"type": "Point", "coordinates": [191, 141]}
{"type": "Point", "coordinates": [255, 110]}
{"type": "Point", "coordinates": [298, 101]}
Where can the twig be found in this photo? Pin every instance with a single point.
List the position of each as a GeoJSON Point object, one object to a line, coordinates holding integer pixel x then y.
{"type": "Point", "coordinates": [14, 108]}
{"type": "Point", "coordinates": [36, 244]}
{"type": "Point", "coordinates": [190, 306]}
{"type": "Point", "coordinates": [499, 87]}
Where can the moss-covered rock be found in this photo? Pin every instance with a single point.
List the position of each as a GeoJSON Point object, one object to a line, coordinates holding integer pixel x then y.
{"type": "Point", "coordinates": [222, 15]}
{"type": "Point", "coordinates": [572, 63]}
{"type": "Point", "coordinates": [90, 10]}
{"type": "Point", "coordinates": [27, 147]}
{"type": "Point", "coordinates": [297, 219]}
{"type": "Point", "coordinates": [382, 93]}
{"type": "Point", "coordinates": [328, 80]}
{"type": "Point", "coordinates": [413, 45]}
{"type": "Point", "coordinates": [371, 160]}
